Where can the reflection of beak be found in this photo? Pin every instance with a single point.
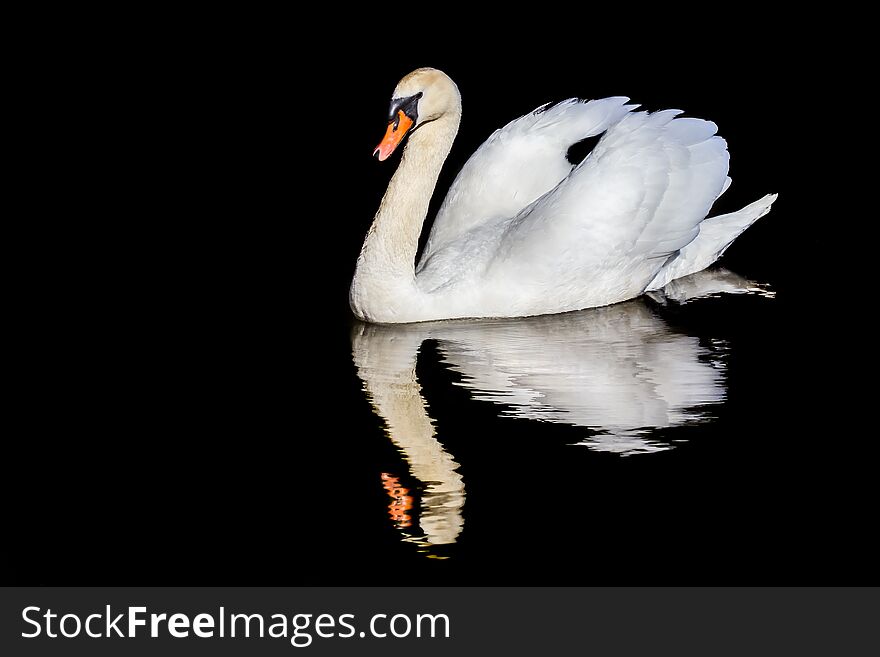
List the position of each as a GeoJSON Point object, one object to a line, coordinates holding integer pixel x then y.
{"type": "Point", "coordinates": [401, 501]}
{"type": "Point", "coordinates": [397, 130]}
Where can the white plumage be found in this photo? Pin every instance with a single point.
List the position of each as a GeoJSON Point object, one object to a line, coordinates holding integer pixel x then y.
{"type": "Point", "coordinates": [523, 232]}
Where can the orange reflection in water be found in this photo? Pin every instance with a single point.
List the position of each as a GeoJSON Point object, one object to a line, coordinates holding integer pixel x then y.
{"type": "Point", "coordinates": [401, 500]}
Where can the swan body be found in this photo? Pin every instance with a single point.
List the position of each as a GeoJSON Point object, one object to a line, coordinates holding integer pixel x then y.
{"type": "Point", "coordinates": [522, 231]}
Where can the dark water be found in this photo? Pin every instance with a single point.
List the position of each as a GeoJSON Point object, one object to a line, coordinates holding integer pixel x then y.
{"type": "Point", "coordinates": [200, 407]}
{"type": "Point", "coordinates": [659, 440]}
{"type": "Point", "coordinates": [656, 440]}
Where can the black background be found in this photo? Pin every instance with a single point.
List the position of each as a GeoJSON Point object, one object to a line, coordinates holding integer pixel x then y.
{"type": "Point", "coordinates": [196, 195]}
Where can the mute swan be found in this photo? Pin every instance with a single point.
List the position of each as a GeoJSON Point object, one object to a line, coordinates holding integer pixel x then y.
{"type": "Point", "coordinates": [523, 232]}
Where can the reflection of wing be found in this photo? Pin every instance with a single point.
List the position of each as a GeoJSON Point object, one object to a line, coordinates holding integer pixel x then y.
{"type": "Point", "coordinates": [517, 164]}
{"type": "Point", "coordinates": [618, 370]}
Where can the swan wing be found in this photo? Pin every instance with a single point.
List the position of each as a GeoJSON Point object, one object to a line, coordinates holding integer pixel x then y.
{"type": "Point", "coordinates": [517, 164]}
{"type": "Point", "coordinates": [612, 224]}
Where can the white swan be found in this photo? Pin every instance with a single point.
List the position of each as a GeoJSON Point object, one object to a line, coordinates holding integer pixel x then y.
{"type": "Point", "coordinates": [523, 232]}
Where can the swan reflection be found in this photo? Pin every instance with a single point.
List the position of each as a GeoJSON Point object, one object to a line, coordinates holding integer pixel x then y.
{"type": "Point", "coordinates": [620, 372]}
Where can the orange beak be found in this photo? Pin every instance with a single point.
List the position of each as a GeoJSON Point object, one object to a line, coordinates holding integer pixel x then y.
{"type": "Point", "coordinates": [397, 130]}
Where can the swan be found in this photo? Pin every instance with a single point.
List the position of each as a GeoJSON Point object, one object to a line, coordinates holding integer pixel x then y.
{"type": "Point", "coordinates": [522, 231]}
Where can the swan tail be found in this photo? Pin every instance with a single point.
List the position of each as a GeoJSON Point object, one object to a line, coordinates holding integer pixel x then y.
{"type": "Point", "coordinates": [715, 235]}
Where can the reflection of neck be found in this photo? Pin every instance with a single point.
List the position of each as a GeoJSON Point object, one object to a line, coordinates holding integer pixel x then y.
{"type": "Point", "coordinates": [386, 364]}
{"type": "Point", "coordinates": [384, 281]}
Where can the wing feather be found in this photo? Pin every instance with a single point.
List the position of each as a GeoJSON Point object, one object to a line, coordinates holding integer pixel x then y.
{"type": "Point", "coordinates": [518, 164]}
{"type": "Point", "coordinates": [604, 232]}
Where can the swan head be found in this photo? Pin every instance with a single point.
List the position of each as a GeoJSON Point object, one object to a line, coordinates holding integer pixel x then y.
{"type": "Point", "coordinates": [423, 96]}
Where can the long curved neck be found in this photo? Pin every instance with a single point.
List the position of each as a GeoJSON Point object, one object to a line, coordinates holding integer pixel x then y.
{"type": "Point", "coordinates": [384, 279]}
